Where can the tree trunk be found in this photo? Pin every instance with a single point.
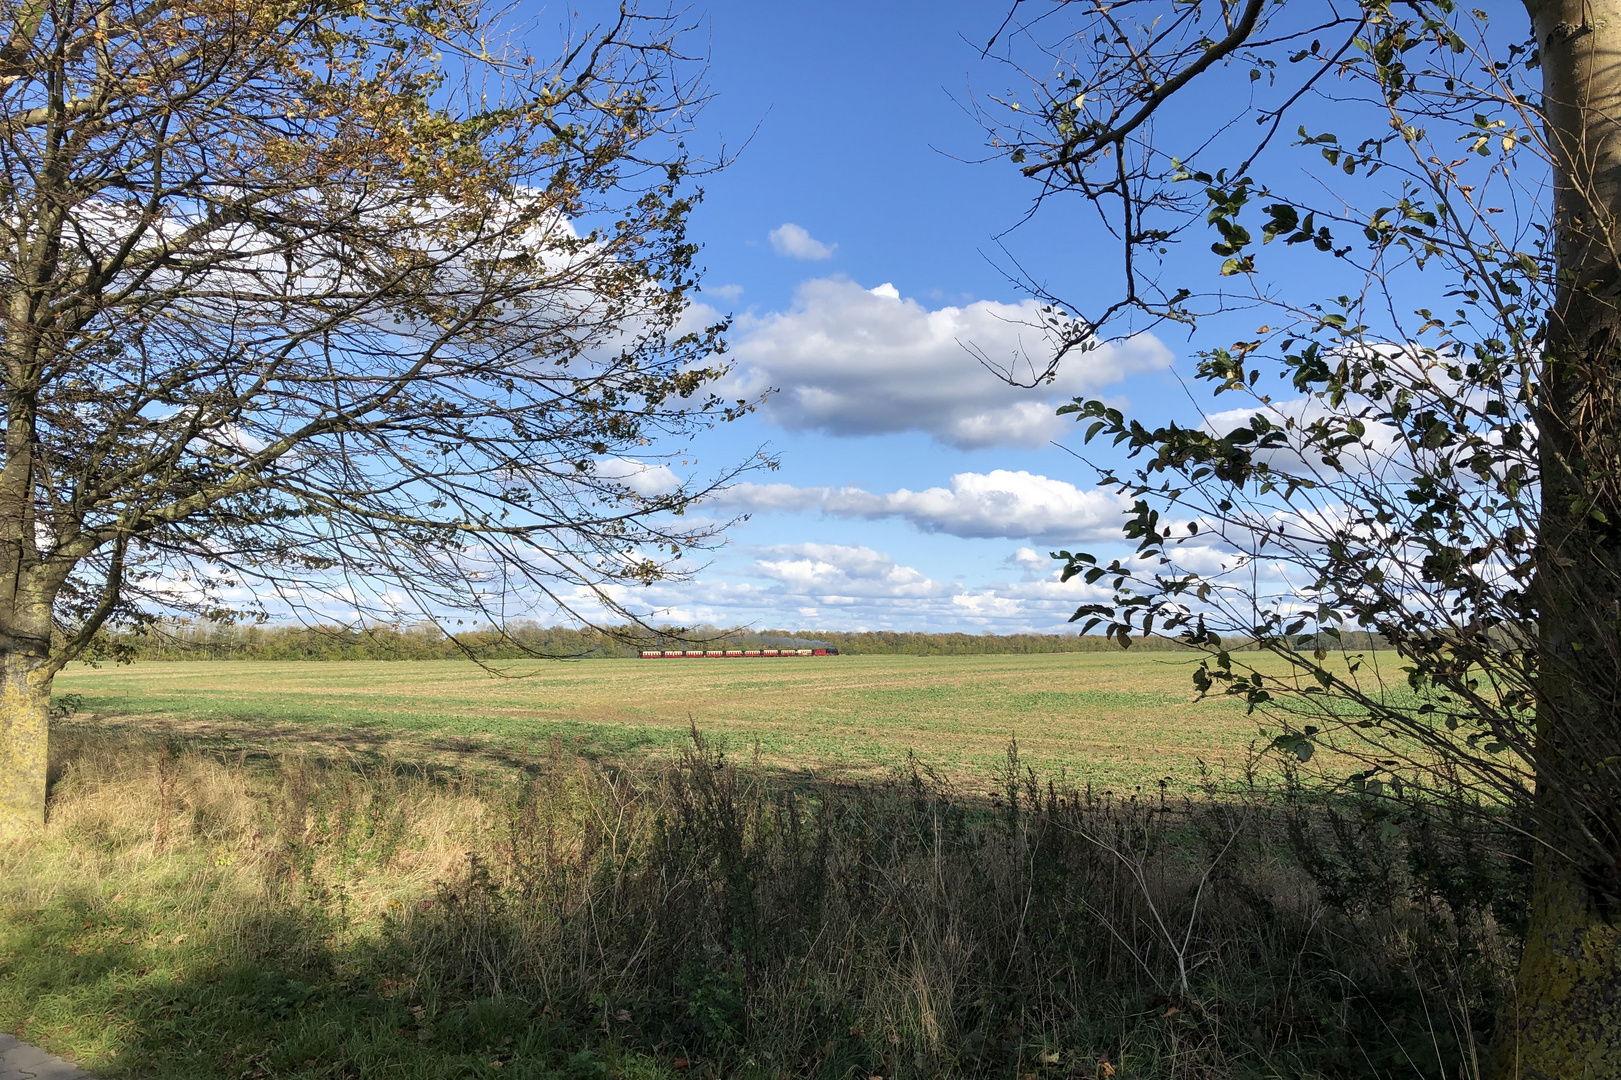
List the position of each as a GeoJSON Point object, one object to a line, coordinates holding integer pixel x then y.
{"type": "Point", "coordinates": [1567, 1019]}
{"type": "Point", "coordinates": [1565, 1022]}
{"type": "Point", "coordinates": [25, 699]}
{"type": "Point", "coordinates": [28, 592]}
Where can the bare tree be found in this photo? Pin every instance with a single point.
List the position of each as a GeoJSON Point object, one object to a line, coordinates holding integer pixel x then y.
{"type": "Point", "coordinates": [1427, 448]}
{"type": "Point", "coordinates": [331, 303]}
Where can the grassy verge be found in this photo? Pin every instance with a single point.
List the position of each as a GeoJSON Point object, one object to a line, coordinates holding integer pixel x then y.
{"type": "Point", "coordinates": [194, 913]}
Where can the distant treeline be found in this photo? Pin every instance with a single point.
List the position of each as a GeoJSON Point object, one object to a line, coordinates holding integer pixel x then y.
{"type": "Point", "coordinates": [188, 640]}
{"type": "Point", "coordinates": [917, 643]}
{"type": "Point", "coordinates": [185, 640]}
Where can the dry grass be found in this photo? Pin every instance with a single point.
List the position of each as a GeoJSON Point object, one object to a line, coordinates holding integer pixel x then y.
{"type": "Point", "coordinates": [1115, 720]}
{"type": "Point", "coordinates": [127, 806]}
{"type": "Point", "coordinates": [196, 913]}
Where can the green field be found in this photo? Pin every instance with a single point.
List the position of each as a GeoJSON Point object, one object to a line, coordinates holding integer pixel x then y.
{"type": "Point", "coordinates": [1113, 719]}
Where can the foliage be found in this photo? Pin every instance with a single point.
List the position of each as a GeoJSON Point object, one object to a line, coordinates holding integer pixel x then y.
{"type": "Point", "coordinates": [188, 640]}
{"type": "Point", "coordinates": [1380, 471]}
{"type": "Point", "coordinates": [194, 915]}
{"type": "Point", "coordinates": [337, 303]}
{"type": "Point", "coordinates": [1425, 439]}
{"type": "Point", "coordinates": [907, 643]}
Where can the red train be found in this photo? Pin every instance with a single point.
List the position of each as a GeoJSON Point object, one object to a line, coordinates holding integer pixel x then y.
{"type": "Point", "coordinates": [733, 654]}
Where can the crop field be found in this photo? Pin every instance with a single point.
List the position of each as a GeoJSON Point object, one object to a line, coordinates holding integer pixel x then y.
{"type": "Point", "coordinates": [476, 900]}
{"type": "Point", "coordinates": [1110, 719]}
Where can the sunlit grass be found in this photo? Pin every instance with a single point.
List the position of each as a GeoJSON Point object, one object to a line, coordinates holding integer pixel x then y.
{"type": "Point", "coordinates": [198, 910]}
{"type": "Point", "coordinates": [1109, 719]}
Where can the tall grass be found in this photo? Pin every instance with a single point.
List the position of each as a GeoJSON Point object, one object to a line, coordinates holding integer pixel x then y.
{"type": "Point", "coordinates": [196, 914]}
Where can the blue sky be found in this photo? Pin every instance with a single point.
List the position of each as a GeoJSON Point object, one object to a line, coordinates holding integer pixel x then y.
{"type": "Point", "coordinates": [858, 247]}
{"type": "Point", "coordinates": [862, 244]}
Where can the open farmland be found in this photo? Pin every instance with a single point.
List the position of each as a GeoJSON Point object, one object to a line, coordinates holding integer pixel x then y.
{"type": "Point", "coordinates": [203, 915]}
{"type": "Point", "coordinates": [1111, 719]}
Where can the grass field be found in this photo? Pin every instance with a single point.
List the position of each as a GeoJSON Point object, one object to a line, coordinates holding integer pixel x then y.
{"type": "Point", "coordinates": [1112, 719]}
{"type": "Point", "coordinates": [220, 906]}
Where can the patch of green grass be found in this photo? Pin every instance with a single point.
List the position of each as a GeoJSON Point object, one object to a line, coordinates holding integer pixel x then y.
{"type": "Point", "coordinates": [187, 918]}
{"type": "Point", "coordinates": [1116, 720]}
{"type": "Point", "coordinates": [130, 991]}
{"type": "Point", "coordinates": [193, 914]}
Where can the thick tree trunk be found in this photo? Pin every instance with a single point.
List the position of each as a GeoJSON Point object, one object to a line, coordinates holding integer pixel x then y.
{"type": "Point", "coordinates": [27, 596]}
{"type": "Point", "coordinates": [1566, 1020]}
{"type": "Point", "coordinates": [25, 698]}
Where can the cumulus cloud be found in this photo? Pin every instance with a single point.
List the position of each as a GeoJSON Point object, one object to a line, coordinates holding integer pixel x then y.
{"type": "Point", "coordinates": [1032, 565]}
{"type": "Point", "coordinates": [843, 573]}
{"type": "Point", "coordinates": [852, 587]}
{"type": "Point", "coordinates": [1001, 503]}
{"type": "Point", "coordinates": [648, 481]}
{"type": "Point", "coordinates": [1296, 415]}
{"type": "Point", "coordinates": [853, 361]}
{"type": "Point", "coordinates": [797, 243]}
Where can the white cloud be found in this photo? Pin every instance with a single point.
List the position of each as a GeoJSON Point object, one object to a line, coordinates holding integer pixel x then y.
{"type": "Point", "coordinates": [1207, 560]}
{"type": "Point", "coordinates": [1000, 503]}
{"type": "Point", "coordinates": [851, 587]}
{"type": "Point", "coordinates": [648, 481]}
{"type": "Point", "coordinates": [725, 292]}
{"type": "Point", "coordinates": [1296, 416]}
{"type": "Point", "coordinates": [989, 605]}
{"type": "Point", "coordinates": [853, 361]}
{"type": "Point", "coordinates": [796, 243]}
{"type": "Point", "coordinates": [1032, 565]}
{"type": "Point", "coordinates": [843, 573]}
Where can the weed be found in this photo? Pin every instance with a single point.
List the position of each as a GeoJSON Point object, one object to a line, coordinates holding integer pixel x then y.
{"type": "Point", "coordinates": [191, 913]}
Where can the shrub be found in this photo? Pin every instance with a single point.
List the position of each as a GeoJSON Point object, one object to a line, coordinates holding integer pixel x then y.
{"type": "Point", "coordinates": [576, 920]}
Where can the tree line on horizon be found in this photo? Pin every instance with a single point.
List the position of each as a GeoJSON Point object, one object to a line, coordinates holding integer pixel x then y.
{"type": "Point", "coordinates": [202, 640]}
